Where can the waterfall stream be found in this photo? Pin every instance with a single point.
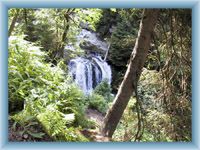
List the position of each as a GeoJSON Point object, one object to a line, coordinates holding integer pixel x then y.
{"type": "Point", "coordinates": [88, 72]}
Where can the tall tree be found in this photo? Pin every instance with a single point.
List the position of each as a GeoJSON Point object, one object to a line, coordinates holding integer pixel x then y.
{"type": "Point", "coordinates": [129, 83]}
{"type": "Point", "coordinates": [14, 20]}
{"type": "Point", "coordinates": [60, 51]}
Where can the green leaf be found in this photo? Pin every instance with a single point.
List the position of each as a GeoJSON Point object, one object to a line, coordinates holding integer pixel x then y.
{"type": "Point", "coordinates": [36, 135]}
{"type": "Point", "coordinates": [32, 123]}
{"type": "Point", "coordinates": [14, 125]}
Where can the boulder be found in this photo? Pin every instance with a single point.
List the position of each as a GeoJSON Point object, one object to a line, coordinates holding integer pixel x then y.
{"type": "Point", "coordinates": [91, 46]}
{"type": "Point", "coordinates": [90, 42]}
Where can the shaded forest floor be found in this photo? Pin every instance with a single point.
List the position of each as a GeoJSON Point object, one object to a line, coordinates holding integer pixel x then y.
{"type": "Point", "coordinates": [94, 134]}
{"type": "Point", "coordinates": [95, 116]}
{"type": "Point", "coordinates": [17, 133]}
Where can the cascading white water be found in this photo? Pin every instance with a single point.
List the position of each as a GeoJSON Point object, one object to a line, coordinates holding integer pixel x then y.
{"type": "Point", "coordinates": [105, 68]}
{"type": "Point", "coordinates": [88, 73]}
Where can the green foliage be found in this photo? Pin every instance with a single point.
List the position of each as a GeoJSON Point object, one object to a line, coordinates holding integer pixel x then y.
{"type": "Point", "coordinates": [45, 89]}
{"type": "Point", "coordinates": [98, 102]}
{"type": "Point", "coordinates": [29, 75]}
{"type": "Point", "coordinates": [152, 61]}
{"type": "Point", "coordinates": [166, 95]}
{"type": "Point", "coordinates": [27, 122]}
{"type": "Point", "coordinates": [177, 71]}
{"type": "Point", "coordinates": [101, 97]}
{"type": "Point", "coordinates": [22, 118]}
{"type": "Point", "coordinates": [120, 26]}
{"type": "Point", "coordinates": [89, 16]}
{"type": "Point", "coordinates": [123, 37]}
{"type": "Point", "coordinates": [50, 26]}
{"type": "Point", "coordinates": [73, 102]}
{"type": "Point", "coordinates": [22, 75]}
{"type": "Point", "coordinates": [104, 90]}
{"type": "Point", "coordinates": [127, 127]}
{"type": "Point", "coordinates": [48, 97]}
{"type": "Point", "coordinates": [149, 87]}
{"type": "Point", "coordinates": [55, 126]}
{"type": "Point", "coordinates": [156, 123]}
{"type": "Point", "coordinates": [158, 127]}
{"type": "Point", "coordinates": [107, 20]}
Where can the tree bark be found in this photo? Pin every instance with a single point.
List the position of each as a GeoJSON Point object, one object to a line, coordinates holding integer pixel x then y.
{"type": "Point", "coordinates": [14, 20]}
{"type": "Point", "coordinates": [133, 72]}
{"type": "Point", "coordinates": [106, 53]}
{"type": "Point", "coordinates": [60, 52]}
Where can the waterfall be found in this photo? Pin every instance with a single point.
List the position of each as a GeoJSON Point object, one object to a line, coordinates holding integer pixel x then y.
{"type": "Point", "coordinates": [89, 72]}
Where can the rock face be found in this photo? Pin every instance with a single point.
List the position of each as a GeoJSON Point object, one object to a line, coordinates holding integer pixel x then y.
{"type": "Point", "coordinates": [90, 47]}
{"type": "Point", "coordinates": [85, 25]}
{"type": "Point", "coordinates": [90, 42]}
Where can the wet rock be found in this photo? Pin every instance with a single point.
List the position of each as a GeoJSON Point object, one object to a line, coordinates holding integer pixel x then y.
{"type": "Point", "coordinates": [91, 42]}
{"type": "Point", "coordinates": [86, 26]}
{"type": "Point", "coordinates": [92, 47]}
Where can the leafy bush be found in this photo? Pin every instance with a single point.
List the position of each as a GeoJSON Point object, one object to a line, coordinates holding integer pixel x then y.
{"type": "Point", "coordinates": [98, 102]}
{"type": "Point", "coordinates": [73, 102]}
{"type": "Point", "coordinates": [27, 73]}
{"type": "Point", "coordinates": [101, 97]}
{"type": "Point", "coordinates": [27, 124]}
{"type": "Point", "coordinates": [37, 87]}
{"type": "Point", "coordinates": [104, 90]}
{"type": "Point", "coordinates": [156, 125]}
{"type": "Point", "coordinates": [55, 126]}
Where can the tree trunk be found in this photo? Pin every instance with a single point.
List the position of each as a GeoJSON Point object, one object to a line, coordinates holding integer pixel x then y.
{"type": "Point", "coordinates": [60, 52]}
{"type": "Point", "coordinates": [61, 46]}
{"type": "Point", "coordinates": [106, 53]}
{"type": "Point", "coordinates": [14, 20]}
{"type": "Point", "coordinates": [133, 72]}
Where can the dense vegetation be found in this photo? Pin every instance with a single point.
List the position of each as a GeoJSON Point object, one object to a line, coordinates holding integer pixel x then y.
{"type": "Point", "coordinates": [45, 104]}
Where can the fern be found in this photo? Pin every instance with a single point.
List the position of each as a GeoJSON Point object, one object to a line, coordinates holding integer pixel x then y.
{"type": "Point", "coordinates": [43, 91]}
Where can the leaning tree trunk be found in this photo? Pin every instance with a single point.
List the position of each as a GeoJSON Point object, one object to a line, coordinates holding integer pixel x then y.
{"type": "Point", "coordinates": [133, 72]}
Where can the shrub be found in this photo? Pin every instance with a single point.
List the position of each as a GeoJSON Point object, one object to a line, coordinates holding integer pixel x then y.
{"type": "Point", "coordinates": [26, 125]}
{"type": "Point", "coordinates": [28, 74]}
{"type": "Point", "coordinates": [39, 87]}
{"type": "Point", "coordinates": [55, 125]}
{"type": "Point", "coordinates": [104, 90]}
{"type": "Point", "coordinates": [101, 97]}
{"type": "Point", "coordinates": [98, 102]}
